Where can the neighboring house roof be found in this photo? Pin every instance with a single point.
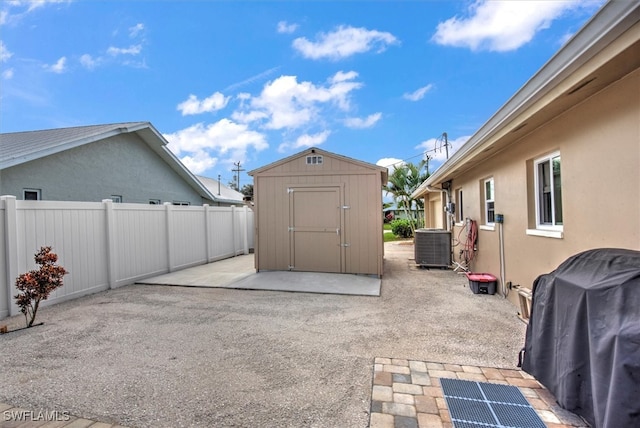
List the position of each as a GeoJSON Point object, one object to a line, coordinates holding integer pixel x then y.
{"type": "Point", "coordinates": [221, 192]}
{"type": "Point", "coordinates": [395, 208]}
{"type": "Point", "coordinates": [314, 150]}
{"type": "Point", "coordinates": [603, 51]}
{"type": "Point", "coordinates": [20, 147]}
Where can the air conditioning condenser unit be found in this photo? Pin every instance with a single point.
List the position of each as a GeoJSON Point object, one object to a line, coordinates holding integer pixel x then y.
{"type": "Point", "coordinates": [433, 248]}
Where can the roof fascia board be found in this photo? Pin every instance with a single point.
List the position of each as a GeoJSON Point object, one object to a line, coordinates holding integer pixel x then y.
{"type": "Point", "coordinates": [609, 23]}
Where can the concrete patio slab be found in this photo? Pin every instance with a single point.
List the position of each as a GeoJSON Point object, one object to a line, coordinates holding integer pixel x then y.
{"type": "Point", "coordinates": [311, 282]}
{"type": "Point", "coordinates": [239, 273]}
{"type": "Point", "coordinates": [217, 274]}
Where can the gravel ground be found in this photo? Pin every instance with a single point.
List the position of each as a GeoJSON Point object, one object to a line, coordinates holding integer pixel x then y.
{"type": "Point", "coordinates": [159, 356]}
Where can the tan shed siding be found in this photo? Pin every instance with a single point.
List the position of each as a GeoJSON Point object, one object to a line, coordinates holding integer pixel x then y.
{"type": "Point", "coordinates": [361, 224]}
{"type": "Point", "coordinates": [299, 166]}
{"type": "Point", "coordinates": [599, 144]}
{"type": "Point", "coordinates": [361, 220]}
{"type": "Point", "coordinates": [272, 224]}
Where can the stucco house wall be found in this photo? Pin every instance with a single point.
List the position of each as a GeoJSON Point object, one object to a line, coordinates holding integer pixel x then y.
{"type": "Point", "coordinates": [599, 145]}
{"type": "Point", "coordinates": [434, 210]}
{"type": "Point", "coordinates": [582, 105]}
{"type": "Point", "coordinates": [120, 165]}
{"type": "Point", "coordinates": [127, 162]}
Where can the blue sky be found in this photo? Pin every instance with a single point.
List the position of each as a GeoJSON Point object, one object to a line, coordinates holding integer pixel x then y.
{"type": "Point", "coordinates": [256, 81]}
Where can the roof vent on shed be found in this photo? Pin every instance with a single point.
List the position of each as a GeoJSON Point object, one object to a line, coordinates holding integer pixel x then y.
{"type": "Point", "coordinates": [314, 160]}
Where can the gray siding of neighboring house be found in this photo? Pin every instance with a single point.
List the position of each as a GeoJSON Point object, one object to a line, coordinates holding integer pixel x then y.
{"type": "Point", "coordinates": [122, 165]}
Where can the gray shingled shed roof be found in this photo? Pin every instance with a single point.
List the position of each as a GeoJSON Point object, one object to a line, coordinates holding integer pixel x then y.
{"type": "Point", "coordinates": [20, 147]}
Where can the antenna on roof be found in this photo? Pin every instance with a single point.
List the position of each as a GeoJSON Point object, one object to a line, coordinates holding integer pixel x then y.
{"type": "Point", "coordinates": [441, 139]}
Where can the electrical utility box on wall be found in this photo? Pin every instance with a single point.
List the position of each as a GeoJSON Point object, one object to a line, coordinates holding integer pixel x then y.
{"type": "Point", "coordinates": [433, 248]}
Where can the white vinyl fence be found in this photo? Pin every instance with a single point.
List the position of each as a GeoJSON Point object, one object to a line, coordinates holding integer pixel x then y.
{"type": "Point", "coordinates": [105, 245]}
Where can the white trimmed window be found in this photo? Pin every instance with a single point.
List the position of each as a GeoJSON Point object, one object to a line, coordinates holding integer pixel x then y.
{"type": "Point", "coordinates": [548, 192]}
{"type": "Point", "coordinates": [460, 212]}
{"type": "Point", "coordinates": [181, 203]}
{"type": "Point", "coordinates": [31, 194]}
{"type": "Point", "coordinates": [154, 202]}
{"type": "Point", "coordinates": [116, 198]}
{"type": "Point", "coordinates": [489, 202]}
{"type": "Point", "coordinates": [314, 160]}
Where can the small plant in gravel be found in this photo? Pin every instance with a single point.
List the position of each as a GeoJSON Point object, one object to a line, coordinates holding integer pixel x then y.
{"type": "Point", "coordinates": [36, 285]}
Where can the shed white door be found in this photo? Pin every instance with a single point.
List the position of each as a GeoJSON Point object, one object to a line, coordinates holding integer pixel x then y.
{"type": "Point", "coordinates": [315, 229]}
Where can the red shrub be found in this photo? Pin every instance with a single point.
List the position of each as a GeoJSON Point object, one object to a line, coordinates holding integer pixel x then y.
{"type": "Point", "coordinates": [36, 285]}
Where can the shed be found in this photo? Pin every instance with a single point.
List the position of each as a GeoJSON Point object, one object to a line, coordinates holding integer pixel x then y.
{"type": "Point", "coordinates": [317, 211]}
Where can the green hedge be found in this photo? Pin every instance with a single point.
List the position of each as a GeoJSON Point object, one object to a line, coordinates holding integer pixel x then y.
{"type": "Point", "coordinates": [402, 228]}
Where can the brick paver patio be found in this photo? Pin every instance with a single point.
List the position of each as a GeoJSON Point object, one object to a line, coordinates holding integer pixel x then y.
{"type": "Point", "coordinates": [407, 394]}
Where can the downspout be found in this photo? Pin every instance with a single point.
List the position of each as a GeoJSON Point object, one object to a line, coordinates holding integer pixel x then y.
{"type": "Point", "coordinates": [500, 221]}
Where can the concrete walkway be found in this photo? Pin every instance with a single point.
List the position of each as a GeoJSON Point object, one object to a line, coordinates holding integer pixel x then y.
{"type": "Point", "coordinates": [239, 273]}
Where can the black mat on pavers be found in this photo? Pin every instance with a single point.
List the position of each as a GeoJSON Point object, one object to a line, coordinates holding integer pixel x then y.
{"type": "Point", "coordinates": [481, 404]}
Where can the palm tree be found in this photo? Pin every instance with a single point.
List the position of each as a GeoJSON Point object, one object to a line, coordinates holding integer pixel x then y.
{"type": "Point", "coordinates": [402, 182]}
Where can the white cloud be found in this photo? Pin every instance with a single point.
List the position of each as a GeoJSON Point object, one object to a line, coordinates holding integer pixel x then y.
{"type": "Point", "coordinates": [285, 103]}
{"type": "Point", "coordinates": [59, 67]}
{"type": "Point", "coordinates": [436, 150]}
{"type": "Point", "coordinates": [5, 54]}
{"type": "Point", "coordinates": [359, 123]}
{"type": "Point", "coordinates": [14, 10]}
{"type": "Point", "coordinates": [89, 62]}
{"type": "Point", "coordinates": [7, 74]}
{"type": "Point", "coordinates": [341, 76]}
{"type": "Point", "coordinates": [131, 50]}
{"type": "Point", "coordinates": [193, 105]}
{"type": "Point", "coordinates": [418, 94]}
{"type": "Point", "coordinates": [252, 79]}
{"type": "Point", "coordinates": [285, 28]}
{"type": "Point", "coordinates": [502, 25]}
{"type": "Point", "coordinates": [34, 4]}
{"type": "Point", "coordinates": [390, 163]}
{"type": "Point", "coordinates": [248, 117]}
{"type": "Point", "coordinates": [199, 162]}
{"type": "Point", "coordinates": [306, 140]}
{"type": "Point", "coordinates": [200, 144]}
{"type": "Point", "coordinates": [344, 42]}
{"type": "Point", "coordinates": [135, 30]}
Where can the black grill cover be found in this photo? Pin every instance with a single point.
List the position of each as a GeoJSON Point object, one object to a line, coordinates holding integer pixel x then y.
{"type": "Point", "coordinates": [583, 338]}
